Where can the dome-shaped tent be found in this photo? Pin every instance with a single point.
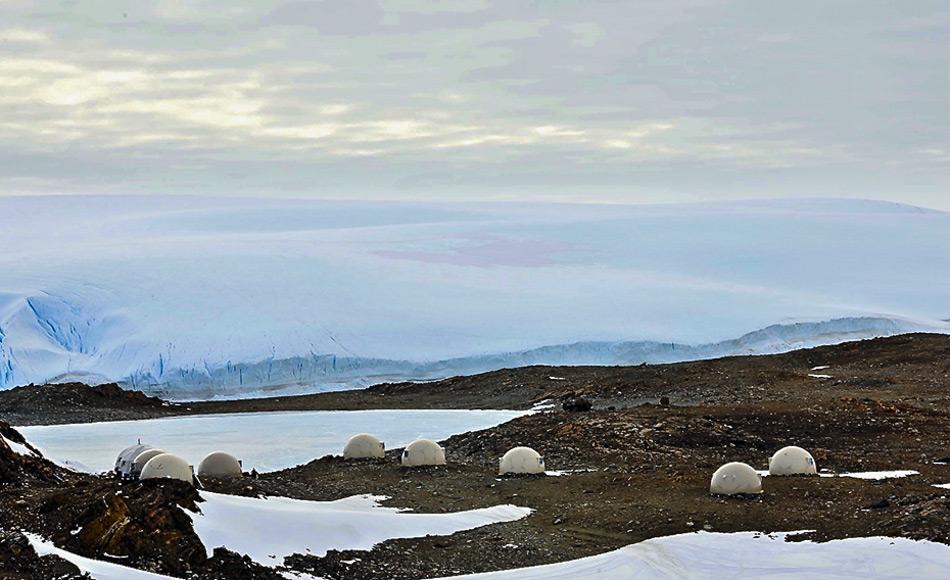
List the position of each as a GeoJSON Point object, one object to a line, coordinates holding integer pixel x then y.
{"type": "Point", "coordinates": [142, 458]}
{"type": "Point", "coordinates": [167, 466]}
{"type": "Point", "coordinates": [423, 452]}
{"type": "Point", "coordinates": [792, 460]}
{"type": "Point", "coordinates": [735, 478]}
{"type": "Point", "coordinates": [219, 464]}
{"type": "Point", "coordinates": [521, 460]}
{"type": "Point", "coordinates": [123, 463]}
{"type": "Point", "coordinates": [364, 446]}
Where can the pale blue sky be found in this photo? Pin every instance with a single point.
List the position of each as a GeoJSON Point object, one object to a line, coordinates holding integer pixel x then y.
{"type": "Point", "coordinates": [471, 99]}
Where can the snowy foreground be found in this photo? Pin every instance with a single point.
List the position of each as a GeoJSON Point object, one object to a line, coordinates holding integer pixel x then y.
{"type": "Point", "coordinates": [204, 296]}
{"type": "Point", "coordinates": [700, 555]}
{"type": "Point", "coordinates": [750, 555]}
{"type": "Point", "coordinates": [263, 441]}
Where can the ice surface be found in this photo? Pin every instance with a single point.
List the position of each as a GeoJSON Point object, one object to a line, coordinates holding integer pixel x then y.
{"type": "Point", "coordinates": [750, 555]}
{"type": "Point", "coordinates": [263, 441]}
{"type": "Point", "coordinates": [206, 296]}
{"type": "Point", "coordinates": [96, 568]}
{"type": "Point", "coordinates": [943, 485]}
{"type": "Point", "coordinates": [269, 529]}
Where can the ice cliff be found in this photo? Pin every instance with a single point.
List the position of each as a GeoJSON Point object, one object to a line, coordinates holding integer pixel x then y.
{"type": "Point", "coordinates": [199, 296]}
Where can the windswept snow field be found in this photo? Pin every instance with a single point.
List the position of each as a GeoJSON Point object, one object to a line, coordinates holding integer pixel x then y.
{"type": "Point", "coordinates": [209, 296]}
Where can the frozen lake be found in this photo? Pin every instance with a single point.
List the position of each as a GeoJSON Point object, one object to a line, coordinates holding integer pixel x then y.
{"type": "Point", "coordinates": [263, 441]}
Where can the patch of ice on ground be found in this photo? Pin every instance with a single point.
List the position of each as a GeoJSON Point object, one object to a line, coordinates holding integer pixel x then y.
{"type": "Point", "coordinates": [875, 475]}
{"type": "Point", "coordinates": [749, 555]}
{"type": "Point", "coordinates": [816, 376]}
{"type": "Point", "coordinates": [544, 405]}
{"type": "Point", "coordinates": [562, 472]}
{"type": "Point", "coordinates": [263, 441]}
{"type": "Point", "coordinates": [291, 575]}
{"type": "Point", "coordinates": [870, 475]}
{"type": "Point", "coordinates": [269, 529]}
{"type": "Point", "coordinates": [18, 448]}
{"type": "Point", "coordinates": [820, 367]}
{"type": "Point", "coordinates": [943, 485]}
{"type": "Point", "coordinates": [96, 568]}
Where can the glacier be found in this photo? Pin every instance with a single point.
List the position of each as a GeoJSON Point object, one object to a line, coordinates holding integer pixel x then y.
{"type": "Point", "coordinates": [200, 297]}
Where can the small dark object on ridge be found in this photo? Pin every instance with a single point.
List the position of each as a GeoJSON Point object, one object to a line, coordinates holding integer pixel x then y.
{"type": "Point", "coordinates": [664, 401]}
{"type": "Point", "coordinates": [577, 404]}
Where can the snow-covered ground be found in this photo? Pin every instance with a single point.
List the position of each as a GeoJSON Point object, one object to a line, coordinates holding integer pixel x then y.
{"type": "Point", "coordinates": [750, 555]}
{"type": "Point", "coordinates": [97, 569]}
{"type": "Point", "coordinates": [206, 296]}
{"type": "Point", "coordinates": [283, 526]}
{"type": "Point", "coordinates": [17, 448]}
{"type": "Point", "coordinates": [263, 441]}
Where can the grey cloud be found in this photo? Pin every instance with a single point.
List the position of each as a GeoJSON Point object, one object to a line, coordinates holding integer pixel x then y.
{"type": "Point", "coordinates": [626, 101]}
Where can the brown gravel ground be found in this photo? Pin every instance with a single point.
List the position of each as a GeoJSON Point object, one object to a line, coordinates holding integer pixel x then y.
{"type": "Point", "coordinates": [911, 368]}
{"type": "Point", "coordinates": [651, 468]}
{"type": "Point", "coordinates": [887, 407]}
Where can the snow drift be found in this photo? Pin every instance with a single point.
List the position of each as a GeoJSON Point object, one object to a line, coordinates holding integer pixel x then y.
{"type": "Point", "coordinates": [752, 555]}
{"type": "Point", "coordinates": [199, 297]}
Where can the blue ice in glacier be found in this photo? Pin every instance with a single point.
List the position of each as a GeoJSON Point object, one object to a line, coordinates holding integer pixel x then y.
{"type": "Point", "coordinates": [203, 296]}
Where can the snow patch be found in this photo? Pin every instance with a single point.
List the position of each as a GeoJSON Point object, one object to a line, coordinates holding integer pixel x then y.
{"type": "Point", "coordinates": [270, 529]}
{"type": "Point", "coordinates": [869, 475]}
{"type": "Point", "coordinates": [18, 448]}
{"type": "Point", "coordinates": [877, 475]}
{"type": "Point", "coordinates": [749, 555]}
{"type": "Point", "coordinates": [96, 568]}
{"type": "Point", "coordinates": [563, 472]}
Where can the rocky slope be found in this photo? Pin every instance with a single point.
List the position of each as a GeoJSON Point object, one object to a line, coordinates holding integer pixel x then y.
{"type": "Point", "coordinates": [912, 368]}
{"type": "Point", "coordinates": [638, 465]}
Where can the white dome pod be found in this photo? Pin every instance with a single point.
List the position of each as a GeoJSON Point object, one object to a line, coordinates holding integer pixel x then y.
{"type": "Point", "coordinates": [792, 460]}
{"type": "Point", "coordinates": [167, 466]}
{"type": "Point", "coordinates": [123, 463]}
{"type": "Point", "coordinates": [423, 452]}
{"type": "Point", "coordinates": [142, 458]}
{"type": "Point", "coordinates": [364, 446]}
{"type": "Point", "coordinates": [219, 464]}
{"type": "Point", "coordinates": [521, 460]}
{"type": "Point", "coordinates": [735, 478]}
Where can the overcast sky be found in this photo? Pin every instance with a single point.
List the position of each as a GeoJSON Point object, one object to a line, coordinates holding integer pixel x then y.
{"type": "Point", "coordinates": [630, 101]}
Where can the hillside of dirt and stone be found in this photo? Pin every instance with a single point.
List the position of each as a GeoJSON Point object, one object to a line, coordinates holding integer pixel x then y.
{"type": "Point", "coordinates": [911, 368]}
{"type": "Point", "coordinates": [639, 460]}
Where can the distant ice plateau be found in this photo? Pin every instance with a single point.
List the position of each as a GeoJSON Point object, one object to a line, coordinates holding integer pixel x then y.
{"type": "Point", "coordinates": [195, 297]}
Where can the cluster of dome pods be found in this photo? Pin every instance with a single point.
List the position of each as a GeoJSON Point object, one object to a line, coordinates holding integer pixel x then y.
{"type": "Point", "coordinates": [738, 478]}
{"type": "Point", "coordinates": [422, 452]}
{"type": "Point", "coordinates": [141, 462]}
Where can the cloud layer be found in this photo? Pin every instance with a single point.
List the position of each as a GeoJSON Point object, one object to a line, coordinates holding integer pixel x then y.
{"type": "Point", "coordinates": [617, 101]}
